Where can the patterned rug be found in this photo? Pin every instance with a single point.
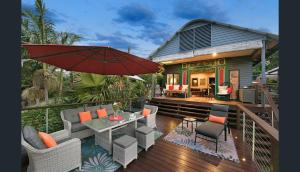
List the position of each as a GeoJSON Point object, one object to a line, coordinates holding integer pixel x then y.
{"type": "Point", "coordinates": [96, 159]}
{"type": "Point", "coordinates": [184, 137]}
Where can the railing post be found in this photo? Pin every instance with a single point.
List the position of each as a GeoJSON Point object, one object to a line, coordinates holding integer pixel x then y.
{"type": "Point", "coordinates": [263, 99]}
{"type": "Point", "coordinates": [253, 140]}
{"type": "Point", "coordinates": [130, 104]}
{"type": "Point", "coordinates": [274, 156]}
{"type": "Point", "coordinates": [272, 118]}
{"type": "Point", "coordinates": [244, 126]}
{"type": "Point", "coordinates": [47, 120]}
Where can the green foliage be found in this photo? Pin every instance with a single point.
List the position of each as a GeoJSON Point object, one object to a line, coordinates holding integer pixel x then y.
{"type": "Point", "coordinates": [271, 62]}
{"type": "Point", "coordinates": [36, 118]}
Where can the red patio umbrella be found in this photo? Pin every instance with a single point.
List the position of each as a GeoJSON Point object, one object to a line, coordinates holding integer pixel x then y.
{"type": "Point", "coordinates": [91, 59]}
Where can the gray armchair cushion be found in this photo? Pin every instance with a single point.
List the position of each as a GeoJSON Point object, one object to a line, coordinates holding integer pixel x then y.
{"type": "Point", "coordinates": [72, 115]}
{"type": "Point", "coordinates": [210, 129]}
{"type": "Point", "coordinates": [31, 136]}
{"type": "Point", "coordinates": [219, 110]}
{"type": "Point", "coordinates": [93, 109]}
{"type": "Point", "coordinates": [109, 109]}
{"type": "Point", "coordinates": [152, 108]}
{"type": "Point", "coordinates": [125, 141]}
{"type": "Point", "coordinates": [77, 127]}
{"type": "Point", "coordinates": [144, 130]}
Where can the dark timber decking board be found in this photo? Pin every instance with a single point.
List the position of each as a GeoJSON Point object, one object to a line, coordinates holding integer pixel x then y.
{"type": "Point", "coordinates": [165, 156]}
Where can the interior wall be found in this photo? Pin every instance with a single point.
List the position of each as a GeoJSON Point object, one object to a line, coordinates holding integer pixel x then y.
{"type": "Point", "coordinates": [205, 76]}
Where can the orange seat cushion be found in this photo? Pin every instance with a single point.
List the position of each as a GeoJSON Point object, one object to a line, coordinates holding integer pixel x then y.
{"type": "Point", "coordinates": [217, 119]}
{"type": "Point", "coordinates": [146, 112]}
{"type": "Point", "coordinates": [85, 116]}
{"type": "Point", "coordinates": [47, 139]}
{"type": "Point", "coordinates": [171, 87]}
{"type": "Point", "coordinates": [102, 113]}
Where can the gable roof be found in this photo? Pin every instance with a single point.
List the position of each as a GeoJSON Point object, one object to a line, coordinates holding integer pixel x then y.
{"type": "Point", "coordinates": [268, 35]}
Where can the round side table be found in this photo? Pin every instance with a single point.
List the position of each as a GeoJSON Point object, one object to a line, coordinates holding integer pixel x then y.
{"type": "Point", "coordinates": [188, 119]}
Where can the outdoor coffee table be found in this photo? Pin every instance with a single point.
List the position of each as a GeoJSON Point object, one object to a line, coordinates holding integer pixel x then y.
{"type": "Point", "coordinates": [103, 128]}
{"type": "Point", "coordinates": [188, 119]}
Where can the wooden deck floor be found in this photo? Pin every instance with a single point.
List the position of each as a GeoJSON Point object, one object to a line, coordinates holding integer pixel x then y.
{"type": "Point", "coordinates": [200, 100]}
{"type": "Point", "coordinates": [165, 156]}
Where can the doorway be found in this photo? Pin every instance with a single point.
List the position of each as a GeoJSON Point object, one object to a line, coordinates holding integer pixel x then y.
{"type": "Point", "coordinates": [202, 83]}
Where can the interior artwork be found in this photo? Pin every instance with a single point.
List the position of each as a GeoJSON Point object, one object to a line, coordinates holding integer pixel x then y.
{"type": "Point", "coordinates": [202, 81]}
{"type": "Point", "coordinates": [195, 82]}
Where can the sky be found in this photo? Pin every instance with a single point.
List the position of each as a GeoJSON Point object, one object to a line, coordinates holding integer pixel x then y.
{"type": "Point", "coordinates": [143, 25]}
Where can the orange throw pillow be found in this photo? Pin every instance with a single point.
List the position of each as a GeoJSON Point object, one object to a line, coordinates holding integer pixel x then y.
{"type": "Point", "coordinates": [171, 87]}
{"type": "Point", "coordinates": [102, 113]}
{"type": "Point", "coordinates": [146, 112]}
{"type": "Point", "coordinates": [217, 119]}
{"type": "Point", "coordinates": [180, 87]}
{"type": "Point", "coordinates": [47, 139]}
{"type": "Point", "coordinates": [85, 116]}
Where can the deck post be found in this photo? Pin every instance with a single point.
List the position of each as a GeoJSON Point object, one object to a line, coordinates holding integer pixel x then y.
{"type": "Point", "coordinates": [263, 62]}
{"type": "Point", "coordinates": [274, 156]}
{"type": "Point", "coordinates": [253, 140]}
{"type": "Point", "coordinates": [263, 70]}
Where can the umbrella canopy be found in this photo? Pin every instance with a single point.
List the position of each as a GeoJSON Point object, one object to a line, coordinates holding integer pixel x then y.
{"type": "Point", "coordinates": [91, 59]}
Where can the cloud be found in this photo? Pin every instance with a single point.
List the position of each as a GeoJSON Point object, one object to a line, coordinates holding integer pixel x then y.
{"type": "Point", "coordinates": [193, 9]}
{"type": "Point", "coordinates": [143, 17]}
{"type": "Point", "coordinates": [114, 41]}
{"type": "Point", "coordinates": [51, 15]}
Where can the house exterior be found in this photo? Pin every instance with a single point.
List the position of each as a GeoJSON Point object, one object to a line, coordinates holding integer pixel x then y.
{"type": "Point", "coordinates": [203, 53]}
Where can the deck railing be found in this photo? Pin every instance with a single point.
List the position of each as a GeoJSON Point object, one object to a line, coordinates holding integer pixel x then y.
{"type": "Point", "coordinates": [261, 137]}
{"type": "Point", "coordinates": [47, 118]}
{"type": "Point", "coordinates": [264, 97]}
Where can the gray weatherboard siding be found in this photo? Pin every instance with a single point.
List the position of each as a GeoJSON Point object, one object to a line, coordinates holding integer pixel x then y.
{"type": "Point", "coordinates": [244, 65]}
{"type": "Point", "coordinates": [220, 35]}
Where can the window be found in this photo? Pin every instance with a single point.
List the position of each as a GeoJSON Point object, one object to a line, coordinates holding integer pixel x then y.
{"type": "Point", "coordinates": [173, 79]}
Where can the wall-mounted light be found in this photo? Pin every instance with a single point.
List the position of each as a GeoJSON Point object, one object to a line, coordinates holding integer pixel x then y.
{"type": "Point", "coordinates": [167, 62]}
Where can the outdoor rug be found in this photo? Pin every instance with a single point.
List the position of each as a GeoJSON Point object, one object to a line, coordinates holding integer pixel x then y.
{"type": "Point", "coordinates": [226, 149]}
{"type": "Point", "coordinates": [96, 159]}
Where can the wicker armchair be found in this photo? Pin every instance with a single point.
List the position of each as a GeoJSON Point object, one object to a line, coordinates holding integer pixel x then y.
{"type": "Point", "coordinates": [150, 121]}
{"type": "Point", "coordinates": [66, 156]}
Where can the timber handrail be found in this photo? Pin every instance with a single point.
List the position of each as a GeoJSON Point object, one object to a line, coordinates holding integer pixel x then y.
{"type": "Point", "coordinates": [263, 124]}
{"type": "Point", "coordinates": [270, 100]}
{"type": "Point", "coordinates": [72, 104]}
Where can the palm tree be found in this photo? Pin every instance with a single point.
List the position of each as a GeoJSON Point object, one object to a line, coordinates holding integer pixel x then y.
{"type": "Point", "coordinates": [41, 32]}
{"type": "Point", "coordinates": [69, 39]}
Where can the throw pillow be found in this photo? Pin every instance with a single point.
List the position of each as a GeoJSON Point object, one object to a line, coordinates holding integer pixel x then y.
{"type": "Point", "coordinates": [85, 116]}
{"type": "Point", "coordinates": [171, 87]}
{"type": "Point", "coordinates": [217, 119]}
{"type": "Point", "coordinates": [146, 112]}
{"type": "Point", "coordinates": [47, 139]}
{"type": "Point", "coordinates": [102, 113]}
